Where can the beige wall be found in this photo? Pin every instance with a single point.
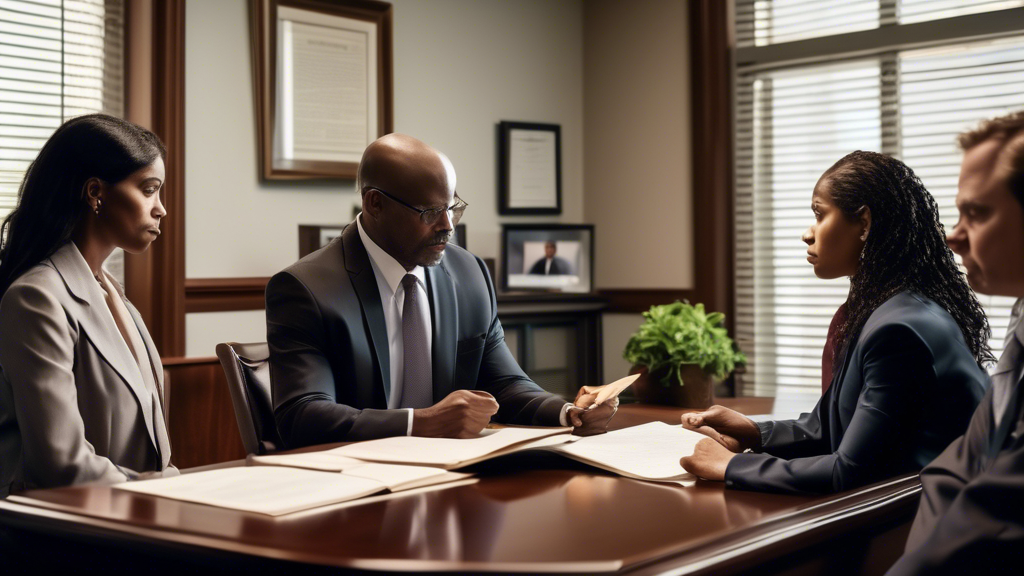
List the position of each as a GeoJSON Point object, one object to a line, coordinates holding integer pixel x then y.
{"type": "Point", "coordinates": [461, 66]}
{"type": "Point", "coordinates": [637, 163]}
{"type": "Point", "coordinates": [637, 142]}
{"type": "Point", "coordinates": [614, 74]}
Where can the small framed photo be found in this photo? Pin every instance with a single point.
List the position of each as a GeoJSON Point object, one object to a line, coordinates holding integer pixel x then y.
{"type": "Point", "coordinates": [552, 257]}
{"type": "Point", "coordinates": [315, 237]}
{"type": "Point", "coordinates": [529, 168]}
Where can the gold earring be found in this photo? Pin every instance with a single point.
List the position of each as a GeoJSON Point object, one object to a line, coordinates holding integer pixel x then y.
{"type": "Point", "coordinates": [98, 204]}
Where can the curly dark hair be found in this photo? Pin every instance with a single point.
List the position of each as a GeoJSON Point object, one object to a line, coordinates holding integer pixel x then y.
{"type": "Point", "coordinates": [905, 250]}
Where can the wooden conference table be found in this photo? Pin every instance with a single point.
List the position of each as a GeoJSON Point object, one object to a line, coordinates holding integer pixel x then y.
{"type": "Point", "coordinates": [525, 513]}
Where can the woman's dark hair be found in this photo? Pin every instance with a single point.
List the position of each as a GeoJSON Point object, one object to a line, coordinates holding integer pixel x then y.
{"type": "Point", "coordinates": [51, 199]}
{"type": "Point", "coordinates": [905, 250]}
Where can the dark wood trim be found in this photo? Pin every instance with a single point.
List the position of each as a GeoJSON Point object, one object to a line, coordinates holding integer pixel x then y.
{"type": "Point", "coordinates": [138, 66]}
{"type": "Point", "coordinates": [224, 294]}
{"type": "Point", "coordinates": [712, 157]}
{"type": "Point", "coordinates": [201, 420]}
{"type": "Point", "coordinates": [156, 280]}
{"type": "Point", "coordinates": [263, 17]}
{"type": "Point", "coordinates": [621, 301]}
{"type": "Point", "coordinates": [234, 294]}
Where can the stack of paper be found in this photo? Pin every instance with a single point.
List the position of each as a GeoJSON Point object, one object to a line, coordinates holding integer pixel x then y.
{"type": "Point", "coordinates": [277, 490]}
{"type": "Point", "coordinates": [647, 452]}
{"type": "Point", "coordinates": [449, 453]}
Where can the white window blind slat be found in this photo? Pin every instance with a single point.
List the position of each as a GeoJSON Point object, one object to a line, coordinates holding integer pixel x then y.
{"type": "Point", "coordinates": [58, 59]}
{"type": "Point", "coordinates": [794, 122]}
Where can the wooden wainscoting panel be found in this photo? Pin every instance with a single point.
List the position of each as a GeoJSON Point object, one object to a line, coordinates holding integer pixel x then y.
{"type": "Point", "coordinates": [641, 300]}
{"type": "Point", "coordinates": [201, 423]}
{"type": "Point", "coordinates": [225, 294]}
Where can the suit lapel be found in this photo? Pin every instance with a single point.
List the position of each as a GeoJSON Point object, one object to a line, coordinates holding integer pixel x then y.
{"type": "Point", "coordinates": [360, 272]}
{"type": "Point", "coordinates": [160, 428]}
{"type": "Point", "coordinates": [99, 327]}
{"type": "Point", "coordinates": [444, 316]}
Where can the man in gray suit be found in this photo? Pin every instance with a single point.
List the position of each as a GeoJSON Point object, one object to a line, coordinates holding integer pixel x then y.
{"type": "Point", "coordinates": [388, 331]}
{"type": "Point", "coordinates": [971, 516]}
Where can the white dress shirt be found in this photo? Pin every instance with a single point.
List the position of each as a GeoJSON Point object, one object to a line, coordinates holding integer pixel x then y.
{"type": "Point", "coordinates": [389, 274]}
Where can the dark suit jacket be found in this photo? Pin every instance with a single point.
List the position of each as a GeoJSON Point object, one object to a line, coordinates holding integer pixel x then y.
{"type": "Point", "coordinates": [907, 387]}
{"type": "Point", "coordinates": [558, 266]}
{"type": "Point", "coordinates": [971, 516]}
{"type": "Point", "coordinates": [329, 357]}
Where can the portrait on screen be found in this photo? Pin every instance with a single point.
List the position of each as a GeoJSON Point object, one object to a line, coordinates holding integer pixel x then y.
{"type": "Point", "coordinates": [548, 257]}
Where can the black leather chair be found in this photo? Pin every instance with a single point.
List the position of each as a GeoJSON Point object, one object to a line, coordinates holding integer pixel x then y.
{"type": "Point", "coordinates": [247, 367]}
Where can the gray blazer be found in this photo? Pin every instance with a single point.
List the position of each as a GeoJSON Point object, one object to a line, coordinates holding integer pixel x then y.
{"type": "Point", "coordinates": [74, 407]}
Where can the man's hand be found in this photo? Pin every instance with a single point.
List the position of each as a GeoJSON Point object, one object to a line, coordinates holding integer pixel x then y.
{"type": "Point", "coordinates": [462, 414]}
{"type": "Point", "coordinates": [727, 427]}
{"type": "Point", "coordinates": [709, 460]}
{"type": "Point", "coordinates": [594, 421]}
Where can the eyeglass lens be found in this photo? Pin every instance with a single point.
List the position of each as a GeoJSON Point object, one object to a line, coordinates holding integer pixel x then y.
{"type": "Point", "coordinates": [455, 212]}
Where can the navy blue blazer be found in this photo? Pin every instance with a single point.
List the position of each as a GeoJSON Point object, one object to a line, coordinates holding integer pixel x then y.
{"type": "Point", "coordinates": [907, 388]}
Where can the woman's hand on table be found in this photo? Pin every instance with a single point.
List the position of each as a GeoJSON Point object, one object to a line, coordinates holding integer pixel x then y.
{"type": "Point", "coordinates": [725, 426]}
{"type": "Point", "coordinates": [709, 460]}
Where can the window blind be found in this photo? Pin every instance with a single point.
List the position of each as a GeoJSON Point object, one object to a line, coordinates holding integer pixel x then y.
{"type": "Point", "coordinates": [911, 11]}
{"type": "Point", "coordinates": [58, 59]}
{"type": "Point", "coordinates": [792, 125]}
{"type": "Point", "coordinates": [794, 121]}
{"type": "Point", "coordinates": [942, 93]}
{"type": "Point", "coordinates": [764, 22]}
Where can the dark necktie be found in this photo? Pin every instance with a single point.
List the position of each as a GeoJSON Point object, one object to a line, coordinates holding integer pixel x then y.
{"type": "Point", "coordinates": [417, 388]}
{"type": "Point", "coordinates": [1004, 381]}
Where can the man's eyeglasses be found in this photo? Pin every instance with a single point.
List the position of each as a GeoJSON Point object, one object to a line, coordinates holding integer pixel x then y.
{"type": "Point", "coordinates": [431, 215]}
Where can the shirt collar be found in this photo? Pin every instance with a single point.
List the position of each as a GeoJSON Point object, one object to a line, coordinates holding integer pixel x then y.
{"type": "Point", "coordinates": [385, 264]}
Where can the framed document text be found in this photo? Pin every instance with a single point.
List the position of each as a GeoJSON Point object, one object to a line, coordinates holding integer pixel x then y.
{"type": "Point", "coordinates": [529, 168]}
{"type": "Point", "coordinates": [324, 86]}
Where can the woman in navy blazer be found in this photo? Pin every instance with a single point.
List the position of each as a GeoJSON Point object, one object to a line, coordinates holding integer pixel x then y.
{"type": "Point", "coordinates": [903, 364]}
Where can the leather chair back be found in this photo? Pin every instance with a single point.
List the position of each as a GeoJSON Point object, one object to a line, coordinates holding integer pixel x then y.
{"type": "Point", "coordinates": [247, 367]}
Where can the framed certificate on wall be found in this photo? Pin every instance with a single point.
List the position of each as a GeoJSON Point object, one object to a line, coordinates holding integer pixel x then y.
{"type": "Point", "coordinates": [529, 168]}
{"type": "Point", "coordinates": [324, 87]}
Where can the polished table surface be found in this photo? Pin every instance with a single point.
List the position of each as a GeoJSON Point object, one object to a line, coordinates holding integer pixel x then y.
{"type": "Point", "coordinates": [523, 513]}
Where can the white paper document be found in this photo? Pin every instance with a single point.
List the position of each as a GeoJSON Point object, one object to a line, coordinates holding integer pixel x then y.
{"type": "Point", "coordinates": [395, 477]}
{"type": "Point", "coordinates": [647, 452]}
{"type": "Point", "coordinates": [270, 490]}
{"type": "Point", "coordinates": [448, 453]}
{"type": "Point", "coordinates": [327, 461]}
{"type": "Point", "coordinates": [533, 169]}
{"type": "Point", "coordinates": [327, 72]}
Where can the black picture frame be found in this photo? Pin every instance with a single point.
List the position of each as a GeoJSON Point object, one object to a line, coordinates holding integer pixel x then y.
{"type": "Point", "coordinates": [459, 236]}
{"type": "Point", "coordinates": [513, 257]}
{"type": "Point", "coordinates": [505, 202]}
{"type": "Point", "coordinates": [313, 237]}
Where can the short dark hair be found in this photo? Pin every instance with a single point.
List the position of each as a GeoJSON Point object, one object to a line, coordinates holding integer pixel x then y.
{"type": "Point", "coordinates": [1008, 128]}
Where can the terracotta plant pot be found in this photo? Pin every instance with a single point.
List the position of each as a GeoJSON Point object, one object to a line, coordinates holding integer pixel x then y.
{"type": "Point", "coordinates": [697, 392]}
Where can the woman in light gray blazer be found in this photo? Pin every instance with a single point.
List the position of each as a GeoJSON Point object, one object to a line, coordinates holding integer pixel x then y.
{"type": "Point", "coordinates": [81, 384]}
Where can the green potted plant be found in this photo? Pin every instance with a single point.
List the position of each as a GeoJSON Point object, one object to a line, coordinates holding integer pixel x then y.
{"type": "Point", "coordinates": [679, 351]}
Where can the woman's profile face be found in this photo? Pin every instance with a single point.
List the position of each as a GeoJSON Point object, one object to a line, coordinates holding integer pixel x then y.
{"type": "Point", "coordinates": [833, 241]}
{"type": "Point", "coordinates": [131, 209]}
